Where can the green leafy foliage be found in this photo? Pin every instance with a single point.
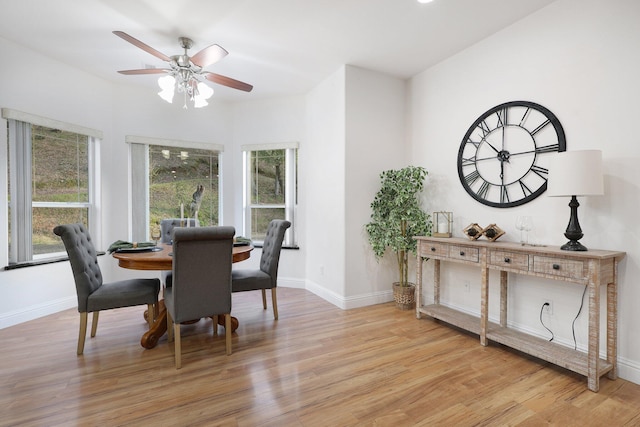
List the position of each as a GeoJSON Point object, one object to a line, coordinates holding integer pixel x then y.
{"type": "Point", "coordinates": [397, 216]}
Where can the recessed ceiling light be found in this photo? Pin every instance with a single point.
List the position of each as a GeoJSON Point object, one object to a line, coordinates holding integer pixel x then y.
{"type": "Point", "coordinates": [425, 1]}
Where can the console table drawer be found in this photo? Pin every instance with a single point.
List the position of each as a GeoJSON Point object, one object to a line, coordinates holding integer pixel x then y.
{"type": "Point", "coordinates": [465, 253]}
{"type": "Point", "coordinates": [516, 260]}
{"type": "Point", "coordinates": [559, 267]}
{"type": "Point", "coordinates": [434, 249]}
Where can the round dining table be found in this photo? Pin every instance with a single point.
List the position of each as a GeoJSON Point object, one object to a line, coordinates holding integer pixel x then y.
{"type": "Point", "coordinates": [160, 258]}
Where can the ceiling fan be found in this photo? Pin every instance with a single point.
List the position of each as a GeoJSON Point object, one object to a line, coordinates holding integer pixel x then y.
{"type": "Point", "coordinates": [186, 73]}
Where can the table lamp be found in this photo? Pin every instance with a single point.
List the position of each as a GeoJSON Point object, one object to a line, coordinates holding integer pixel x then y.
{"type": "Point", "coordinates": [575, 173]}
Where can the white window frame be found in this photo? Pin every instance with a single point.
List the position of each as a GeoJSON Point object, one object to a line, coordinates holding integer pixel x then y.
{"type": "Point", "coordinates": [139, 167]}
{"type": "Point", "coordinates": [20, 176]}
{"type": "Point", "coordinates": [290, 203]}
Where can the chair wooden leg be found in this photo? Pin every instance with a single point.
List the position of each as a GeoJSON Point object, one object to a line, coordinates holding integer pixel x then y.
{"type": "Point", "coordinates": [274, 301]}
{"type": "Point", "coordinates": [83, 332]}
{"type": "Point", "coordinates": [215, 324]}
{"type": "Point", "coordinates": [169, 327]}
{"type": "Point", "coordinates": [94, 323]}
{"type": "Point", "coordinates": [264, 299]}
{"type": "Point", "coordinates": [178, 346]}
{"type": "Point", "coordinates": [227, 332]}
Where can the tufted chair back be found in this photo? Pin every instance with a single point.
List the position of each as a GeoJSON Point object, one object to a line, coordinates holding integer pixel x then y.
{"type": "Point", "coordinates": [266, 277]}
{"type": "Point", "coordinates": [93, 294]}
{"type": "Point", "coordinates": [83, 259]}
{"type": "Point", "coordinates": [272, 247]}
{"type": "Point", "coordinates": [168, 224]}
{"type": "Point", "coordinates": [202, 258]}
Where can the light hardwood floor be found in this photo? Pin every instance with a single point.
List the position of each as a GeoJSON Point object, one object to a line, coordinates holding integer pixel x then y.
{"type": "Point", "coordinates": [316, 366]}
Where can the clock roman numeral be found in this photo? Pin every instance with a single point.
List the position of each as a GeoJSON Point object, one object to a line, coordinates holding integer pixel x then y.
{"type": "Point", "coordinates": [472, 177]}
{"type": "Point", "coordinates": [525, 190]}
{"type": "Point", "coordinates": [502, 117]}
{"type": "Point", "coordinates": [548, 148]}
{"type": "Point", "coordinates": [504, 194]}
{"type": "Point", "coordinates": [468, 162]}
{"type": "Point", "coordinates": [483, 190]}
{"type": "Point", "coordinates": [474, 143]}
{"type": "Point", "coordinates": [484, 127]}
{"type": "Point", "coordinates": [524, 116]}
{"type": "Point", "coordinates": [540, 171]}
{"type": "Point", "coordinates": [539, 128]}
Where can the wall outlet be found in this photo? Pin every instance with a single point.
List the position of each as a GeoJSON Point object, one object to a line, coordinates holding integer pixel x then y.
{"type": "Point", "coordinates": [548, 309]}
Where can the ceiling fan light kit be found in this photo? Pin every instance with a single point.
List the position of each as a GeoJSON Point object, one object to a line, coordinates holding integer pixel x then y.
{"type": "Point", "coordinates": [186, 74]}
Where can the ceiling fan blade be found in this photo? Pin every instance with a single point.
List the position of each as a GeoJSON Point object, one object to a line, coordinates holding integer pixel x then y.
{"type": "Point", "coordinates": [145, 71]}
{"type": "Point", "coordinates": [228, 81]}
{"type": "Point", "coordinates": [209, 55]}
{"type": "Point", "coordinates": [142, 46]}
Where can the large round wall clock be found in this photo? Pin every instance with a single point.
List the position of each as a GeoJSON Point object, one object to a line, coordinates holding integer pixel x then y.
{"type": "Point", "coordinates": [503, 157]}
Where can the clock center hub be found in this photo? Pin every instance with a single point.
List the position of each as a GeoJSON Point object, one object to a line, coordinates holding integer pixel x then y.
{"type": "Point", "coordinates": [504, 156]}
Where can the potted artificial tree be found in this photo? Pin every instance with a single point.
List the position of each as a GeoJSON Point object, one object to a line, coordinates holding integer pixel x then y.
{"type": "Point", "coordinates": [397, 216]}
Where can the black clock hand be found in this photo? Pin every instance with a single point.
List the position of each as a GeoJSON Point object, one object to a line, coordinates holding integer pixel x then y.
{"type": "Point", "coordinates": [489, 144]}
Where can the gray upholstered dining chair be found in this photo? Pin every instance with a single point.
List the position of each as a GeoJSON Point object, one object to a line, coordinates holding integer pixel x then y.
{"type": "Point", "coordinates": [94, 295]}
{"type": "Point", "coordinates": [166, 236]}
{"type": "Point", "coordinates": [202, 258]}
{"type": "Point", "coordinates": [266, 277]}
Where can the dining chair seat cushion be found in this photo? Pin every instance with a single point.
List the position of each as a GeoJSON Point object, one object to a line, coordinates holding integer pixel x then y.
{"type": "Point", "coordinates": [123, 293]}
{"type": "Point", "coordinates": [250, 280]}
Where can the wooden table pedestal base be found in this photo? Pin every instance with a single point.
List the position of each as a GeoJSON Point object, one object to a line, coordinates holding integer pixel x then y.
{"type": "Point", "coordinates": [150, 339]}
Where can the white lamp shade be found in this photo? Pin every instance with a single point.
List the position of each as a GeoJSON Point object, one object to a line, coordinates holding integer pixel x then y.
{"type": "Point", "coordinates": [576, 173]}
{"type": "Point", "coordinates": [204, 93]}
{"type": "Point", "coordinates": [167, 84]}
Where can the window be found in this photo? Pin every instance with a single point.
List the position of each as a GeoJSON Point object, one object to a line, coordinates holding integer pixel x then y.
{"type": "Point", "coordinates": [51, 182]}
{"type": "Point", "coordinates": [170, 178]}
{"type": "Point", "coordinates": [270, 188]}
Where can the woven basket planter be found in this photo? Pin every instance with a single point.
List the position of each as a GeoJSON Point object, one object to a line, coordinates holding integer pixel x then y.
{"type": "Point", "coordinates": [404, 296]}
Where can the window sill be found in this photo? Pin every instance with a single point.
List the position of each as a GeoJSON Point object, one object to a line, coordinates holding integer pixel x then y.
{"type": "Point", "coordinates": [25, 264]}
{"type": "Point", "coordinates": [259, 245]}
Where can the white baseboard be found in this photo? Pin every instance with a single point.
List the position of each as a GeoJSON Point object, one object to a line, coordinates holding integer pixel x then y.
{"type": "Point", "coordinates": [30, 313]}
{"type": "Point", "coordinates": [628, 370]}
{"type": "Point", "coordinates": [346, 303]}
{"type": "Point", "coordinates": [289, 282]}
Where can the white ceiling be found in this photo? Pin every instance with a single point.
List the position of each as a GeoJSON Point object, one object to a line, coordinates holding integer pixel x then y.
{"type": "Point", "coordinates": [281, 47]}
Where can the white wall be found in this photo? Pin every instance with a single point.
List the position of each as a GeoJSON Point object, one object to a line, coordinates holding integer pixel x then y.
{"type": "Point", "coordinates": [581, 60]}
{"type": "Point", "coordinates": [322, 172]}
{"type": "Point", "coordinates": [50, 89]}
{"type": "Point", "coordinates": [355, 130]}
{"type": "Point", "coordinates": [375, 141]}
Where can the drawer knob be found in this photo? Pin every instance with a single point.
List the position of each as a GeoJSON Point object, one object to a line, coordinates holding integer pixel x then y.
{"type": "Point", "coordinates": [556, 266]}
{"type": "Point", "coordinates": [507, 260]}
{"type": "Point", "coordinates": [433, 249]}
{"type": "Point", "coordinates": [461, 253]}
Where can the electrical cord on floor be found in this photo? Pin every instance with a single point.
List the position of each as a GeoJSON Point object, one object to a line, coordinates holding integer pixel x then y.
{"type": "Point", "coordinates": [545, 326]}
{"type": "Point", "coordinates": [573, 324]}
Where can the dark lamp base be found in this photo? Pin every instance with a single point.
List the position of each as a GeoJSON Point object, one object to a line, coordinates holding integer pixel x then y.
{"type": "Point", "coordinates": [573, 245]}
{"type": "Point", "coordinates": [574, 232]}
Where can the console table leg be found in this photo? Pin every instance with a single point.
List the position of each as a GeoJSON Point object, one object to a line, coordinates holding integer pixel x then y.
{"type": "Point", "coordinates": [503, 299]}
{"type": "Point", "coordinates": [594, 329]}
{"type": "Point", "coordinates": [612, 321]}
{"type": "Point", "coordinates": [484, 302]}
{"type": "Point", "coordinates": [418, 285]}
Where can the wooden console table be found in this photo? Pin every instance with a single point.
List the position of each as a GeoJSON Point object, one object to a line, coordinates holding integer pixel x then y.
{"type": "Point", "coordinates": [593, 268]}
